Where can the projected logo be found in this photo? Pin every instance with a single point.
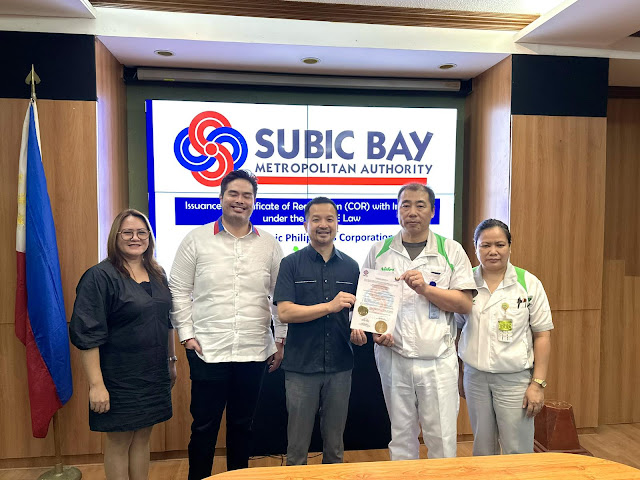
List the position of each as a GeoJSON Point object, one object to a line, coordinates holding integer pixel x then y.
{"type": "Point", "coordinates": [203, 148]}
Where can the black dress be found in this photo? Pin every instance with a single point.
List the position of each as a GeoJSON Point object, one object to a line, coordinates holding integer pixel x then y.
{"type": "Point", "coordinates": [130, 324]}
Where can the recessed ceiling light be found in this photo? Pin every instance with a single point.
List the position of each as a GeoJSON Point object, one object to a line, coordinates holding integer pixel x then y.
{"type": "Point", "coordinates": [447, 66]}
{"type": "Point", "coordinates": [164, 53]}
{"type": "Point", "coordinates": [310, 60]}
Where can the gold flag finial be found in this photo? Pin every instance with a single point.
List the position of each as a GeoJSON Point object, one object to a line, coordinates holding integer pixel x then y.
{"type": "Point", "coordinates": [32, 79]}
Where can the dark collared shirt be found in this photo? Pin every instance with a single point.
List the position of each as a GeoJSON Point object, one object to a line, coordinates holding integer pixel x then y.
{"type": "Point", "coordinates": [323, 344]}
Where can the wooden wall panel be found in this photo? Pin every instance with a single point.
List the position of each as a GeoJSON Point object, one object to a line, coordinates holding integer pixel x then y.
{"type": "Point", "coordinates": [464, 424]}
{"type": "Point", "coordinates": [573, 367]}
{"type": "Point", "coordinates": [178, 429]}
{"type": "Point", "coordinates": [622, 233]}
{"type": "Point", "coordinates": [631, 353]}
{"type": "Point", "coordinates": [557, 208]}
{"type": "Point", "coordinates": [68, 138]}
{"type": "Point", "coordinates": [488, 150]}
{"type": "Point", "coordinates": [113, 176]}
{"type": "Point", "coordinates": [620, 356]}
{"type": "Point", "coordinates": [633, 347]}
{"type": "Point", "coordinates": [615, 405]}
{"type": "Point", "coordinates": [557, 222]}
{"type": "Point", "coordinates": [157, 442]}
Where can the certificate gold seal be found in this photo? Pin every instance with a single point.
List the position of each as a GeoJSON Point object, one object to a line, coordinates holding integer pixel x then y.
{"type": "Point", "coordinates": [362, 310]}
{"type": "Point", "coordinates": [381, 326]}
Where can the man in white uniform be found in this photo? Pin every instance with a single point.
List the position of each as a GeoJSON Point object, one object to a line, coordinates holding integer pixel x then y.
{"type": "Point", "coordinates": [418, 364]}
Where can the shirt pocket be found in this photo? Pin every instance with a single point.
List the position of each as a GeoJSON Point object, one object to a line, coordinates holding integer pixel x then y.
{"type": "Point", "coordinates": [345, 286]}
{"type": "Point", "coordinates": [307, 292]}
{"type": "Point", "coordinates": [436, 275]}
{"type": "Point", "coordinates": [519, 319]}
{"type": "Point", "coordinates": [519, 316]}
{"type": "Point", "coordinates": [510, 356]}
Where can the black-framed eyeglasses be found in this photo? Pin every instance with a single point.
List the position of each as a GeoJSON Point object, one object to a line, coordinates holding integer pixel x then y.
{"type": "Point", "coordinates": [142, 234]}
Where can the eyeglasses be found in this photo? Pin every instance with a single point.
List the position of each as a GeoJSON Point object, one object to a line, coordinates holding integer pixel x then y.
{"type": "Point", "coordinates": [128, 234]}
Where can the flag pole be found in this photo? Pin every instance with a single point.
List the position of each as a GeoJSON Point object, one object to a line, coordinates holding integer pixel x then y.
{"type": "Point", "coordinates": [32, 79]}
{"type": "Point", "coordinates": [58, 469]}
{"type": "Point", "coordinates": [59, 472]}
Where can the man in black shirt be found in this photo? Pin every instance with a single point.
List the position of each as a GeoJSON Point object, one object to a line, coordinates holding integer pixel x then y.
{"type": "Point", "coordinates": [314, 292]}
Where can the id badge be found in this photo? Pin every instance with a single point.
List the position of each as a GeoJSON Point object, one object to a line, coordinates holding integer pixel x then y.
{"type": "Point", "coordinates": [505, 330]}
{"type": "Point", "coordinates": [434, 311]}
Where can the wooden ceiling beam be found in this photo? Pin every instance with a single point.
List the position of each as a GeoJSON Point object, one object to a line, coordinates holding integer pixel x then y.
{"type": "Point", "coordinates": [375, 15]}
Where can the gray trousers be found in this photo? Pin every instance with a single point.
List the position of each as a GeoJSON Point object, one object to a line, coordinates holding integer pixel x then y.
{"type": "Point", "coordinates": [306, 393]}
{"type": "Point", "coordinates": [494, 401]}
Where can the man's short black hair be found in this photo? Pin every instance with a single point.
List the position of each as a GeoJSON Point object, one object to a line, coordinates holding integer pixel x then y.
{"type": "Point", "coordinates": [239, 175]}
{"type": "Point", "coordinates": [318, 201]}
{"type": "Point", "coordinates": [419, 187]}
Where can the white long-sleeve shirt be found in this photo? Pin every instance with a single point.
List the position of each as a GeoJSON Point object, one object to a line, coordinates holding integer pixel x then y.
{"type": "Point", "coordinates": [221, 287]}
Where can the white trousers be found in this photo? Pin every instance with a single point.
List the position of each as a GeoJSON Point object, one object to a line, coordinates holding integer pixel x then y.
{"type": "Point", "coordinates": [420, 393]}
{"type": "Point", "coordinates": [495, 408]}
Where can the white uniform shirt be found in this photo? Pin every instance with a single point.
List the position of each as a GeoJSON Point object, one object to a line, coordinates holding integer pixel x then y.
{"type": "Point", "coordinates": [528, 310]}
{"type": "Point", "coordinates": [415, 334]}
{"type": "Point", "coordinates": [221, 288]}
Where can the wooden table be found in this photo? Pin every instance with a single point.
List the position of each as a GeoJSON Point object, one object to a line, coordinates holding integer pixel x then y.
{"type": "Point", "coordinates": [531, 466]}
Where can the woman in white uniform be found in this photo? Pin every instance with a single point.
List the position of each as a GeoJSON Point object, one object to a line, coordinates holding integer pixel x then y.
{"type": "Point", "coordinates": [504, 344]}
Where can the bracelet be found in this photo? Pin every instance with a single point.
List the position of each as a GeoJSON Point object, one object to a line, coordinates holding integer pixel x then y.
{"type": "Point", "coordinates": [186, 340]}
{"type": "Point", "coordinates": [173, 359]}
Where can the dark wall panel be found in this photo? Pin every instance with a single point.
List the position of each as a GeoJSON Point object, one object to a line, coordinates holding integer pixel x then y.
{"type": "Point", "coordinates": [66, 65]}
{"type": "Point", "coordinates": [559, 86]}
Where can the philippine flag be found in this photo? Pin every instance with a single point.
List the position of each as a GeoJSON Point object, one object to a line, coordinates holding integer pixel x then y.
{"type": "Point", "coordinates": [40, 319]}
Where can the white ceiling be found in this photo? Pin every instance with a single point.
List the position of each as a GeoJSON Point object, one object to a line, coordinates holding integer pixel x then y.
{"type": "Point", "coordinates": [585, 23]}
{"type": "Point", "coordinates": [566, 27]}
{"type": "Point", "coordinates": [287, 58]}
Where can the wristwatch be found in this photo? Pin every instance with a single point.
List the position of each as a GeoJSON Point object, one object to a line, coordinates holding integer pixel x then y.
{"type": "Point", "coordinates": [173, 359]}
{"type": "Point", "coordinates": [542, 383]}
{"type": "Point", "coordinates": [281, 340]}
{"type": "Point", "coordinates": [186, 340]}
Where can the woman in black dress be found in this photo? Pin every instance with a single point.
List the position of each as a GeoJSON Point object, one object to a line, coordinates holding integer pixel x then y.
{"type": "Point", "coordinates": [120, 323]}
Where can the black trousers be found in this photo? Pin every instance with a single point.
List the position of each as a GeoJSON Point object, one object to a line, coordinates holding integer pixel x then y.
{"type": "Point", "coordinates": [235, 385]}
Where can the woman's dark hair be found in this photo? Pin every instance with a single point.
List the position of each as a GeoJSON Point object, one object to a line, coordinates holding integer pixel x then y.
{"type": "Point", "coordinates": [114, 255]}
{"type": "Point", "coordinates": [490, 223]}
